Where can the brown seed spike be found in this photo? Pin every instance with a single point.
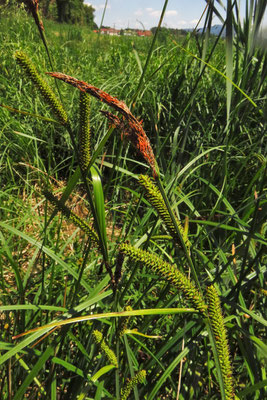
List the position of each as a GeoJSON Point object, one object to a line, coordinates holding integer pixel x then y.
{"type": "Point", "coordinates": [131, 128]}
{"type": "Point", "coordinates": [94, 91]}
{"type": "Point", "coordinates": [33, 6]}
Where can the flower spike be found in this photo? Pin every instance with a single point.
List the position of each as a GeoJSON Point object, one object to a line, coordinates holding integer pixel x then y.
{"type": "Point", "coordinates": [98, 336]}
{"type": "Point", "coordinates": [42, 86]}
{"type": "Point", "coordinates": [84, 133]}
{"type": "Point", "coordinates": [220, 334]}
{"type": "Point", "coordinates": [154, 196]}
{"type": "Point", "coordinates": [138, 378]}
{"type": "Point", "coordinates": [169, 272]}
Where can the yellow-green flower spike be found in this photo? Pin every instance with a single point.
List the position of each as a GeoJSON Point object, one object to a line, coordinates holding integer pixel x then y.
{"type": "Point", "coordinates": [155, 198]}
{"type": "Point", "coordinates": [169, 272]}
{"type": "Point", "coordinates": [124, 323]}
{"type": "Point", "coordinates": [98, 337]}
{"type": "Point", "coordinates": [84, 133]}
{"type": "Point", "coordinates": [138, 378]}
{"type": "Point", "coordinates": [80, 223]}
{"type": "Point", "coordinates": [42, 86]}
{"type": "Point", "coordinates": [220, 334]}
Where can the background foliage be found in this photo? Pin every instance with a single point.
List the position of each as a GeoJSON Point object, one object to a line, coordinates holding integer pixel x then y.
{"type": "Point", "coordinates": [209, 139]}
{"type": "Point", "coordinates": [68, 11]}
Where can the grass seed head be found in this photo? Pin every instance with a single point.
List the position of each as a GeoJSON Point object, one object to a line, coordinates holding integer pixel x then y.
{"type": "Point", "coordinates": [42, 86]}
{"type": "Point", "coordinates": [99, 339]}
{"type": "Point", "coordinates": [84, 133]}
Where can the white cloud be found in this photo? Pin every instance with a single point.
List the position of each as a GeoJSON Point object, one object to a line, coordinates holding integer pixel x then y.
{"type": "Point", "coordinates": [155, 13]}
{"type": "Point", "coordinates": [171, 13]}
{"type": "Point", "coordinates": [183, 23]}
{"type": "Point", "coordinates": [138, 13]}
{"type": "Point", "coordinates": [148, 16]}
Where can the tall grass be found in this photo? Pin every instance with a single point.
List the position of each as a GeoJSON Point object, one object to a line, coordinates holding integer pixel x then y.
{"type": "Point", "coordinates": [131, 278]}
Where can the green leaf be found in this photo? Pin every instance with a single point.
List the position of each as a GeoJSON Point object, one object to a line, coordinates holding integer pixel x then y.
{"type": "Point", "coordinates": [259, 343]}
{"type": "Point", "coordinates": [101, 372]}
{"type": "Point", "coordinates": [95, 297]}
{"type": "Point", "coordinates": [253, 315]}
{"type": "Point", "coordinates": [48, 251]}
{"type": "Point", "coordinates": [252, 389]}
{"type": "Point", "coordinates": [34, 371]}
{"type": "Point", "coordinates": [30, 115]}
{"type": "Point", "coordinates": [26, 367]}
{"type": "Point", "coordinates": [220, 73]}
{"type": "Point", "coordinates": [32, 307]}
{"type": "Point", "coordinates": [150, 311]}
{"type": "Point", "coordinates": [229, 57]}
{"type": "Point", "coordinates": [67, 192]}
{"type": "Point", "coordinates": [167, 373]}
{"type": "Point", "coordinates": [99, 203]}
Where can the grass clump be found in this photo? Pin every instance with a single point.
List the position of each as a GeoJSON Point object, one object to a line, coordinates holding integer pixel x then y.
{"type": "Point", "coordinates": [191, 108]}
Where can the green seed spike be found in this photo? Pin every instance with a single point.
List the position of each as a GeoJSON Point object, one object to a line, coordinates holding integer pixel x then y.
{"type": "Point", "coordinates": [42, 86]}
{"type": "Point", "coordinates": [169, 272]}
{"type": "Point", "coordinates": [84, 134]}
{"type": "Point", "coordinates": [220, 334]}
{"type": "Point", "coordinates": [155, 198]}
{"type": "Point", "coordinates": [73, 217]}
{"type": "Point", "coordinates": [138, 378]}
{"type": "Point", "coordinates": [98, 337]}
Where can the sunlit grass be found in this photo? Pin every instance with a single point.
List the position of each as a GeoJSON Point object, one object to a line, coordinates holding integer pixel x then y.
{"type": "Point", "coordinates": [205, 220]}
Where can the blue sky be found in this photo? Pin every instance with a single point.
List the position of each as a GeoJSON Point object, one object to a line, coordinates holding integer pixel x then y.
{"type": "Point", "coordinates": [135, 13]}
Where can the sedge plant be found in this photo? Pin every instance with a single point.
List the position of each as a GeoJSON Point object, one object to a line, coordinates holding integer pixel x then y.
{"type": "Point", "coordinates": [155, 287]}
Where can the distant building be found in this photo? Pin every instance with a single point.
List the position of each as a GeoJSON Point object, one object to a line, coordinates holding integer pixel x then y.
{"type": "Point", "coordinates": [110, 31]}
{"type": "Point", "coordinates": [144, 33]}
{"type": "Point", "coordinates": [126, 32]}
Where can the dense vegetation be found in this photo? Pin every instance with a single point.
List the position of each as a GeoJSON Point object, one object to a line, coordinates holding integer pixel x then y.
{"type": "Point", "coordinates": [145, 275]}
{"type": "Point", "coordinates": [68, 11]}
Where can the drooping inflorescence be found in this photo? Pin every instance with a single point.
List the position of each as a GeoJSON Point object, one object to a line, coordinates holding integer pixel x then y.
{"type": "Point", "coordinates": [84, 132]}
{"type": "Point", "coordinates": [220, 334]}
{"type": "Point", "coordinates": [124, 323]}
{"type": "Point", "coordinates": [169, 272]}
{"type": "Point", "coordinates": [138, 378]}
{"type": "Point", "coordinates": [42, 86]}
{"type": "Point", "coordinates": [33, 7]}
{"type": "Point", "coordinates": [129, 125]}
{"type": "Point", "coordinates": [98, 337]}
{"type": "Point", "coordinates": [155, 198]}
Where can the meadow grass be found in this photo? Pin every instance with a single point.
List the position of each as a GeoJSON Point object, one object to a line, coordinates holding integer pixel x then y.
{"type": "Point", "coordinates": [103, 252]}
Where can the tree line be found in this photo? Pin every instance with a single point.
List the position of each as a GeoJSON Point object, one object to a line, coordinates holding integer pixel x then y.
{"type": "Point", "coordinates": [68, 11]}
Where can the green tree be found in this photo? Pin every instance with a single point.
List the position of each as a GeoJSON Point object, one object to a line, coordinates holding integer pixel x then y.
{"type": "Point", "coordinates": [68, 11]}
{"type": "Point", "coordinates": [62, 10]}
{"type": "Point", "coordinates": [89, 16]}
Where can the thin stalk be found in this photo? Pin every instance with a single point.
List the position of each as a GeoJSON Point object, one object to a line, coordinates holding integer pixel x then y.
{"type": "Point", "coordinates": [244, 271]}
{"type": "Point", "coordinates": [77, 284]}
{"type": "Point", "coordinates": [216, 358]}
{"type": "Point", "coordinates": [140, 84]}
{"type": "Point", "coordinates": [39, 24]}
{"type": "Point", "coordinates": [103, 15]}
{"type": "Point", "coordinates": [117, 371]}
